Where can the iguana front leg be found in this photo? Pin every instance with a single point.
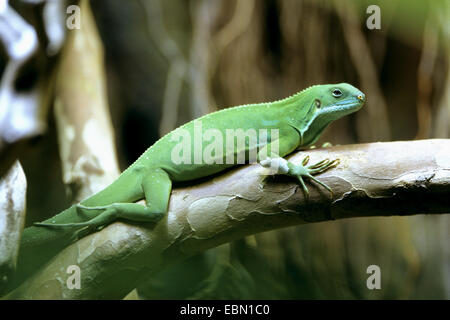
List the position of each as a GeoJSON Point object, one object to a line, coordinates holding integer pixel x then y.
{"type": "Point", "coordinates": [278, 165]}
{"type": "Point", "coordinates": [283, 166]}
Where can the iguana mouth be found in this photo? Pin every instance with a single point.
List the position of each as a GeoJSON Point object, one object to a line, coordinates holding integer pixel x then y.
{"type": "Point", "coordinates": [348, 105]}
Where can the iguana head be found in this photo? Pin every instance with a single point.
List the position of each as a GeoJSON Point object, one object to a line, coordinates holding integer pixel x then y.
{"type": "Point", "coordinates": [320, 105]}
{"type": "Point", "coordinates": [334, 101]}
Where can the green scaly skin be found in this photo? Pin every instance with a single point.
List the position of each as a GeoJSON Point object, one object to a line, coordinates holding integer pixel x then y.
{"type": "Point", "coordinates": [300, 120]}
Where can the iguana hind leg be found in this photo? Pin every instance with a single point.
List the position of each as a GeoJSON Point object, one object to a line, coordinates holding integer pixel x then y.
{"type": "Point", "coordinates": [156, 186]}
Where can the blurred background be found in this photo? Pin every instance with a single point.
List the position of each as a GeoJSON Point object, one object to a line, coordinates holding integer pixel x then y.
{"type": "Point", "coordinates": [167, 62]}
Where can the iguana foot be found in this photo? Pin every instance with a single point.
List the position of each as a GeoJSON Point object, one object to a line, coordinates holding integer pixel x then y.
{"type": "Point", "coordinates": [110, 213]}
{"type": "Point", "coordinates": [301, 171]}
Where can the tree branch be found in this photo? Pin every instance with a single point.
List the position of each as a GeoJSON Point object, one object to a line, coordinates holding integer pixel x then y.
{"type": "Point", "coordinates": [13, 189]}
{"type": "Point", "coordinates": [376, 179]}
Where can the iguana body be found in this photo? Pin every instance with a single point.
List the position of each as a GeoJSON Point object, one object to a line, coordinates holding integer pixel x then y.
{"type": "Point", "coordinates": [299, 119]}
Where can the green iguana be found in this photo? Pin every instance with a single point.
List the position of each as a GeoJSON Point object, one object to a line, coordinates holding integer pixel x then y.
{"type": "Point", "coordinates": [298, 120]}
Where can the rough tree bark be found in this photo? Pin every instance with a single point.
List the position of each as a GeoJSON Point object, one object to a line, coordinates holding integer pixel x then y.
{"type": "Point", "coordinates": [13, 189]}
{"type": "Point", "coordinates": [376, 179]}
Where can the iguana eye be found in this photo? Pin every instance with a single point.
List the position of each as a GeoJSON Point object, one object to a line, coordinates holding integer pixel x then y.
{"type": "Point", "coordinates": [336, 93]}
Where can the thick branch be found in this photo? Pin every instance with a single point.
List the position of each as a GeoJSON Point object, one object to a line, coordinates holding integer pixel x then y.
{"type": "Point", "coordinates": [13, 189]}
{"type": "Point", "coordinates": [376, 179]}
